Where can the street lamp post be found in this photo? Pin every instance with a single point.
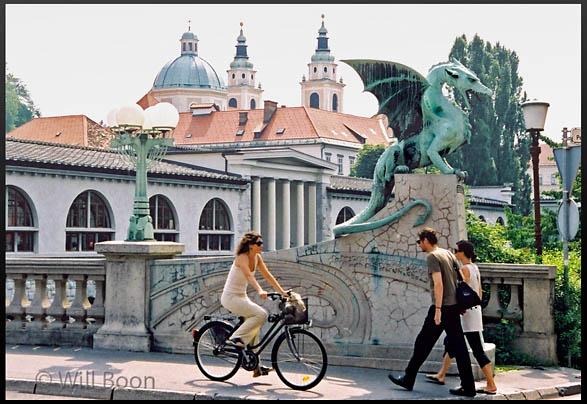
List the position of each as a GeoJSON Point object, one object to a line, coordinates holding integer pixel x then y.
{"type": "Point", "coordinates": [142, 140]}
{"type": "Point", "coordinates": [534, 117]}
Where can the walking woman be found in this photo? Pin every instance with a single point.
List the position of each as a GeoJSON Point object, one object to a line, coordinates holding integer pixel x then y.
{"type": "Point", "coordinates": [234, 296]}
{"type": "Point", "coordinates": [471, 321]}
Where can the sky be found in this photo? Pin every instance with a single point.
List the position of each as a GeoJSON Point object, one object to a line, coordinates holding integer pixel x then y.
{"type": "Point", "coordinates": [89, 59]}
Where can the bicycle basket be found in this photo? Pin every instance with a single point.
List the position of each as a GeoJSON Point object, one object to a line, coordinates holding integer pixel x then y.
{"type": "Point", "coordinates": [295, 310]}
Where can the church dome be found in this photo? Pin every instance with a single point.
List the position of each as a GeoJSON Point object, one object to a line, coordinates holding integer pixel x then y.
{"type": "Point", "coordinates": [189, 71]}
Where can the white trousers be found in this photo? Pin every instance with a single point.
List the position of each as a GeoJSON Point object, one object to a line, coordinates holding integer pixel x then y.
{"type": "Point", "coordinates": [255, 316]}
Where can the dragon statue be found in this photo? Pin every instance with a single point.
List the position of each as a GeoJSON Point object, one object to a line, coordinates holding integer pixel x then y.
{"type": "Point", "coordinates": [427, 124]}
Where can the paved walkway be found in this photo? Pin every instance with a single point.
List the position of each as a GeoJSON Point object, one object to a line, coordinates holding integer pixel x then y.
{"type": "Point", "coordinates": [94, 373]}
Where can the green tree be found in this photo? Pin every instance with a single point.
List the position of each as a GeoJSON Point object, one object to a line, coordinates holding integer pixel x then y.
{"type": "Point", "coordinates": [20, 107]}
{"type": "Point", "coordinates": [499, 148]}
{"type": "Point", "coordinates": [367, 157]}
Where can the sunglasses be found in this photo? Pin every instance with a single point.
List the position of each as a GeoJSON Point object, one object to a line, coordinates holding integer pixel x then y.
{"type": "Point", "coordinates": [418, 241]}
{"type": "Point", "coordinates": [456, 250]}
{"type": "Point", "coordinates": [259, 243]}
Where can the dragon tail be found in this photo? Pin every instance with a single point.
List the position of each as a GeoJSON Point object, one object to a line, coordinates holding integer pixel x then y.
{"type": "Point", "coordinates": [380, 195]}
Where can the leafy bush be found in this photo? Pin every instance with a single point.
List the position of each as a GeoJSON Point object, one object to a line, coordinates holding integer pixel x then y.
{"type": "Point", "coordinates": [515, 244]}
{"type": "Point", "coordinates": [491, 243]}
{"type": "Point", "coordinates": [567, 313]}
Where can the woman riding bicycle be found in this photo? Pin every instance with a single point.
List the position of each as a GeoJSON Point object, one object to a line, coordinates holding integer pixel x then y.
{"type": "Point", "coordinates": [234, 296]}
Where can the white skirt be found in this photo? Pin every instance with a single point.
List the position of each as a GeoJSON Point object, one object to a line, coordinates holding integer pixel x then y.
{"type": "Point", "coordinates": [471, 320]}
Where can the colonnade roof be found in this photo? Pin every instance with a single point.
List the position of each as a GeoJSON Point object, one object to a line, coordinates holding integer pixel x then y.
{"type": "Point", "coordinates": [54, 155]}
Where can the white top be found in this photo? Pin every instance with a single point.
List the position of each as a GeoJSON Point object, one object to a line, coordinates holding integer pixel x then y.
{"type": "Point", "coordinates": [471, 320]}
{"type": "Point", "coordinates": [236, 281]}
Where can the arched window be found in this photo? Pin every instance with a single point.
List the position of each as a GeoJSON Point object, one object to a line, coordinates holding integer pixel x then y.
{"type": "Point", "coordinates": [345, 214]}
{"type": "Point", "coordinates": [164, 221]}
{"type": "Point", "coordinates": [315, 69]}
{"type": "Point", "coordinates": [88, 222]}
{"type": "Point", "coordinates": [232, 103]}
{"type": "Point", "coordinates": [326, 70]}
{"type": "Point", "coordinates": [500, 221]}
{"type": "Point", "coordinates": [243, 75]}
{"type": "Point", "coordinates": [233, 76]}
{"type": "Point", "coordinates": [314, 100]}
{"type": "Point", "coordinates": [215, 229]}
{"type": "Point", "coordinates": [335, 102]}
{"type": "Point", "coordinates": [20, 225]}
{"type": "Point", "coordinates": [253, 104]}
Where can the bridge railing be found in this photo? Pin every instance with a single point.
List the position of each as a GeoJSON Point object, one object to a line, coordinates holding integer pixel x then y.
{"type": "Point", "coordinates": [39, 314]}
{"type": "Point", "coordinates": [41, 309]}
{"type": "Point", "coordinates": [524, 295]}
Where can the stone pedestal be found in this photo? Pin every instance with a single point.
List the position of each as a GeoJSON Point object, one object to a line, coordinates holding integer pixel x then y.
{"type": "Point", "coordinates": [127, 292]}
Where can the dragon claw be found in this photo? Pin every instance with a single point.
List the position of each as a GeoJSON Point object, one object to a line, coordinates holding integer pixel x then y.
{"type": "Point", "coordinates": [461, 174]}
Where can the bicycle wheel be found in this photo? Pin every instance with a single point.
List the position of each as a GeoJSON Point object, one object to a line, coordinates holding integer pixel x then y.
{"type": "Point", "coordinates": [302, 364]}
{"type": "Point", "coordinates": [215, 360]}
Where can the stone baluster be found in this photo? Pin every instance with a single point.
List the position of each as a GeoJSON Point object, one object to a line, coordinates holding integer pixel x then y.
{"type": "Point", "coordinates": [39, 304]}
{"type": "Point", "coordinates": [15, 311]}
{"type": "Point", "coordinates": [514, 311]}
{"type": "Point", "coordinates": [80, 303]}
{"type": "Point", "coordinates": [96, 311]}
{"type": "Point", "coordinates": [59, 304]}
{"type": "Point", "coordinates": [493, 306]}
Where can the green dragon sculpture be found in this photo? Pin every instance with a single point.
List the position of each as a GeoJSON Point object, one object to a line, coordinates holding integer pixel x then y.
{"type": "Point", "coordinates": [427, 124]}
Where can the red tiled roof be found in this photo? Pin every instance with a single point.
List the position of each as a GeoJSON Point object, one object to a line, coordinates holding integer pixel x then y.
{"type": "Point", "coordinates": [147, 101]}
{"type": "Point", "coordinates": [298, 122]}
{"type": "Point", "coordinates": [76, 130]}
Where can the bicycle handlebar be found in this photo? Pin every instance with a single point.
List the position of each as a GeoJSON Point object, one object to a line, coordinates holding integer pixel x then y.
{"type": "Point", "coordinates": [275, 296]}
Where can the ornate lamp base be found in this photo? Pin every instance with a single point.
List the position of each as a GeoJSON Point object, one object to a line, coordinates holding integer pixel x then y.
{"type": "Point", "coordinates": [140, 228]}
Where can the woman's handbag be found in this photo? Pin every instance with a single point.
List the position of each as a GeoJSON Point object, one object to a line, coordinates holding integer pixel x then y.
{"type": "Point", "coordinates": [466, 296]}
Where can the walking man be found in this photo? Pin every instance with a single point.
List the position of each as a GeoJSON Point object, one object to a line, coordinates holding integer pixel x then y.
{"type": "Point", "coordinates": [443, 315]}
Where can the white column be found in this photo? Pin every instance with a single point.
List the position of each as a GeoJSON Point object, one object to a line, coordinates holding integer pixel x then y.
{"type": "Point", "coordinates": [285, 215]}
{"type": "Point", "coordinates": [256, 196]}
{"type": "Point", "coordinates": [300, 213]}
{"type": "Point", "coordinates": [269, 238]}
{"type": "Point", "coordinates": [312, 213]}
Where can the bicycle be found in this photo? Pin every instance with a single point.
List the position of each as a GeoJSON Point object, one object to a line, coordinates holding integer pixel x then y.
{"type": "Point", "coordinates": [298, 356]}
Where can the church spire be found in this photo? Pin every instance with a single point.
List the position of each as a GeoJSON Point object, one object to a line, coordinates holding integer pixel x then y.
{"type": "Point", "coordinates": [242, 93]}
{"type": "Point", "coordinates": [241, 59]}
{"type": "Point", "coordinates": [322, 51]}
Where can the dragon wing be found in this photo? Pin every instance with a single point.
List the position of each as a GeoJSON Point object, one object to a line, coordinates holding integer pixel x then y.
{"type": "Point", "coordinates": [398, 89]}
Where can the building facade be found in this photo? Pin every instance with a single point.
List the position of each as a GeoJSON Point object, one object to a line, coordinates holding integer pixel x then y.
{"type": "Point", "coordinates": [207, 210]}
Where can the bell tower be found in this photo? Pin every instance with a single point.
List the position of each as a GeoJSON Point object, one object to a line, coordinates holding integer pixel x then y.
{"type": "Point", "coordinates": [242, 93]}
{"type": "Point", "coordinates": [321, 90]}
